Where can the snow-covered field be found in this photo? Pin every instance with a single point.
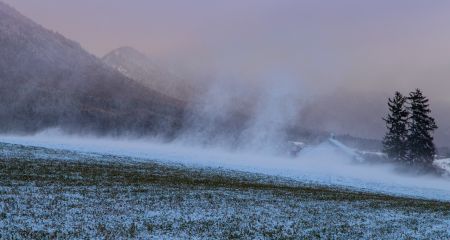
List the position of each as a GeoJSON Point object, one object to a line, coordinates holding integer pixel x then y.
{"type": "Point", "coordinates": [322, 164]}
{"type": "Point", "coordinates": [50, 193]}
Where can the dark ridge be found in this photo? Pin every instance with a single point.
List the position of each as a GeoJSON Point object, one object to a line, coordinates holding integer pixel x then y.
{"type": "Point", "coordinates": [47, 80]}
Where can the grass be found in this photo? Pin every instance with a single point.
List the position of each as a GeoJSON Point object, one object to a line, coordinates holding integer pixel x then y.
{"type": "Point", "coordinates": [54, 194]}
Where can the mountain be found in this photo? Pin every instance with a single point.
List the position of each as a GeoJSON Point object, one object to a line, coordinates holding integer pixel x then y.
{"type": "Point", "coordinates": [149, 72]}
{"type": "Point", "coordinates": [47, 80]}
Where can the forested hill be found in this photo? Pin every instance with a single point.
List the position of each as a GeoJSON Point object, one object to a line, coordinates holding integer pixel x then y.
{"type": "Point", "coordinates": [48, 80]}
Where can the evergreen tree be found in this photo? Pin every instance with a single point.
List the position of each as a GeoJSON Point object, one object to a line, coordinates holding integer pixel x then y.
{"type": "Point", "coordinates": [421, 149]}
{"type": "Point", "coordinates": [395, 140]}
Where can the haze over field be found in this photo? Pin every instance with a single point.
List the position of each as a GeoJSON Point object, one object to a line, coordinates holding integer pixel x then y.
{"type": "Point", "coordinates": [250, 90]}
{"type": "Point", "coordinates": [322, 164]}
{"type": "Point", "coordinates": [342, 59]}
{"type": "Point", "coordinates": [259, 119]}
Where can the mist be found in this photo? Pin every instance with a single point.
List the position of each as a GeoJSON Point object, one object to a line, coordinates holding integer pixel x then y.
{"type": "Point", "coordinates": [259, 77]}
{"type": "Point", "coordinates": [224, 119]}
{"type": "Point", "coordinates": [237, 115]}
{"type": "Point", "coordinates": [321, 164]}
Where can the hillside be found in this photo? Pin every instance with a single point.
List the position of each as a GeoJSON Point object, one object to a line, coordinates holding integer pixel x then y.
{"type": "Point", "coordinates": [47, 80]}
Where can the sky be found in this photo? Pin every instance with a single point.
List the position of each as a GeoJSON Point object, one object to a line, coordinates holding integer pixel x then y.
{"type": "Point", "coordinates": [347, 55]}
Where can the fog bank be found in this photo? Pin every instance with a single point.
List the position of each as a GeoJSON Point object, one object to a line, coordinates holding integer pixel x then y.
{"type": "Point", "coordinates": [321, 164]}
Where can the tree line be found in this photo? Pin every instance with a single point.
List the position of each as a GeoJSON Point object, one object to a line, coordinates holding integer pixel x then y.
{"type": "Point", "coordinates": [409, 136]}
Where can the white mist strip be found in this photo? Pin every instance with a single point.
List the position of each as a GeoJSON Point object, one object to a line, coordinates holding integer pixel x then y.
{"type": "Point", "coordinates": [321, 164]}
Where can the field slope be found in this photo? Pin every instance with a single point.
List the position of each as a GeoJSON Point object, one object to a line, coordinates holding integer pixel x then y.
{"type": "Point", "coordinates": [47, 193]}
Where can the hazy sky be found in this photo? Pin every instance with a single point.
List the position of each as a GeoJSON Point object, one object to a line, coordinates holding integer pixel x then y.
{"type": "Point", "coordinates": [368, 43]}
{"type": "Point", "coordinates": [328, 47]}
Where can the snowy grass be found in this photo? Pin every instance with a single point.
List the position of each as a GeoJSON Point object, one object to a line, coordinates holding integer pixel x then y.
{"type": "Point", "coordinates": [47, 193]}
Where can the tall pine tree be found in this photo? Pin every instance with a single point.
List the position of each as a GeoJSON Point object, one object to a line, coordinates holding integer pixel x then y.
{"type": "Point", "coordinates": [395, 140]}
{"type": "Point", "coordinates": [421, 149]}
